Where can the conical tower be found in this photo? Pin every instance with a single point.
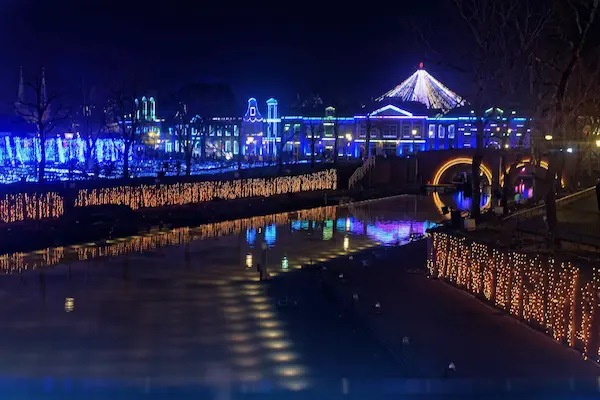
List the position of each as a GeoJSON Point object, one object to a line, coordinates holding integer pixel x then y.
{"type": "Point", "coordinates": [424, 88]}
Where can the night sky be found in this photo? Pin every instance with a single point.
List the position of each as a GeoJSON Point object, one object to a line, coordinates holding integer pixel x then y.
{"type": "Point", "coordinates": [261, 49]}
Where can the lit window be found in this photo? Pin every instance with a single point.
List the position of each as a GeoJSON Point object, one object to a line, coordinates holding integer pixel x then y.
{"type": "Point", "coordinates": [451, 131]}
{"type": "Point", "coordinates": [252, 111]}
{"type": "Point", "coordinates": [406, 131]}
{"type": "Point", "coordinates": [228, 146]}
{"type": "Point", "coordinates": [441, 131]}
{"type": "Point", "coordinates": [431, 131]}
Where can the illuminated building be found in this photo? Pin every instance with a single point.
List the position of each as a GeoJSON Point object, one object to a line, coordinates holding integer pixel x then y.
{"type": "Point", "coordinates": [420, 114]}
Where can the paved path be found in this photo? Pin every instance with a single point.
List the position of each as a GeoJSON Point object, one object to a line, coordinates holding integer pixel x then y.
{"type": "Point", "coordinates": [444, 325]}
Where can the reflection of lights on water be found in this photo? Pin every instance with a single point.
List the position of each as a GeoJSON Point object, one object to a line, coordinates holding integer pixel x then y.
{"type": "Point", "coordinates": [284, 263]}
{"type": "Point", "coordinates": [251, 286]}
{"type": "Point", "coordinates": [246, 362]}
{"type": "Point", "coordinates": [239, 337]}
{"type": "Point", "coordinates": [250, 376]}
{"type": "Point", "coordinates": [260, 307]}
{"type": "Point", "coordinates": [346, 242]}
{"type": "Point", "coordinates": [248, 260]}
{"type": "Point", "coordinates": [328, 230]}
{"type": "Point", "coordinates": [250, 236]}
{"type": "Point", "coordinates": [289, 370]}
{"type": "Point", "coordinates": [263, 315]}
{"type": "Point", "coordinates": [348, 226]}
{"type": "Point", "coordinates": [268, 324]}
{"type": "Point", "coordinates": [69, 304]}
{"type": "Point", "coordinates": [295, 385]}
{"type": "Point", "coordinates": [233, 310]}
{"type": "Point", "coordinates": [238, 327]}
{"type": "Point", "coordinates": [257, 299]}
{"type": "Point", "coordinates": [244, 348]}
{"type": "Point", "coordinates": [283, 356]}
{"type": "Point", "coordinates": [271, 334]}
{"type": "Point", "coordinates": [271, 235]}
{"type": "Point", "coordinates": [276, 344]}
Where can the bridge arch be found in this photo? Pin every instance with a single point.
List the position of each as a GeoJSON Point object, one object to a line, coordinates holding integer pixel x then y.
{"type": "Point", "coordinates": [527, 161]}
{"type": "Point", "coordinates": [485, 169]}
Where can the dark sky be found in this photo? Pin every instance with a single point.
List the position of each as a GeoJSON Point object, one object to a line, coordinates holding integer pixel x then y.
{"type": "Point", "coordinates": [262, 49]}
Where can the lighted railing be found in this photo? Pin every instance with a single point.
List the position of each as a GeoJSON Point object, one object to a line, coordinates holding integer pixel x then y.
{"type": "Point", "coordinates": [555, 296]}
{"type": "Point", "coordinates": [361, 172]}
{"type": "Point", "coordinates": [563, 201]}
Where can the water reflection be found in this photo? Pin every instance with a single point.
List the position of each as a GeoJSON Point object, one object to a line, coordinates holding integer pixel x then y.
{"type": "Point", "coordinates": [463, 202]}
{"type": "Point", "coordinates": [263, 228]}
{"type": "Point", "coordinates": [171, 304]}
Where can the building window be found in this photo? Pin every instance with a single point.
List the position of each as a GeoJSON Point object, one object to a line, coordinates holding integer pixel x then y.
{"type": "Point", "coordinates": [363, 132]}
{"type": "Point", "coordinates": [228, 146]}
{"type": "Point", "coordinates": [406, 131]}
{"type": "Point", "coordinates": [451, 132]}
{"type": "Point", "coordinates": [386, 131]}
{"type": "Point", "coordinates": [441, 131]}
{"type": "Point", "coordinates": [394, 131]}
{"type": "Point", "coordinates": [431, 131]}
{"type": "Point", "coordinates": [417, 131]}
{"type": "Point", "coordinates": [236, 131]}
{"type": "Point", "coordinates": [236, 148]}
{"type": "Point", "coordinates": [374, 132]}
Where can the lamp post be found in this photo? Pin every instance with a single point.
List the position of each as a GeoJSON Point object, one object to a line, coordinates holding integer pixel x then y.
{"type": "Point", "coordinates": [348, 141]}
{"type": "Point", "coordinates": [414, 133]}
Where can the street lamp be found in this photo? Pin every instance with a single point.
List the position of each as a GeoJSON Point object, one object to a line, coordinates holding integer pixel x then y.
{"type": "Point", "coordinates": [548, 137]}
{"type": "Point", "coordinates": [414, 132]}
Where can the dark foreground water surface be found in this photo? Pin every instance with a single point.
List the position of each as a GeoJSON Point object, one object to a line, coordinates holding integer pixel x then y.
{"type": "Point", "coordinates": [184, 308]}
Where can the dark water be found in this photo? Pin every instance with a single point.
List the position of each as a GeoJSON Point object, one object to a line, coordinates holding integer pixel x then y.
{"type": "Point", "coordinates": [184, 307]}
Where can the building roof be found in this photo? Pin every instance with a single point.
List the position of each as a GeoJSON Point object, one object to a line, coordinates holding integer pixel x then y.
{"type": "Point", "coordinates": [423, 88]}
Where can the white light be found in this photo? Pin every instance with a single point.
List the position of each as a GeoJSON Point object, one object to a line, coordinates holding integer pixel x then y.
{"type": "Point", "coordinates": [569, 150]}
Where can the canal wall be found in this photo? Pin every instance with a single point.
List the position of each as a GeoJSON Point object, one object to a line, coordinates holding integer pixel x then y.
{"type": "Point", "coordinates": [558, 297]}
{"type": "Point", "coordinates": [40, 204]}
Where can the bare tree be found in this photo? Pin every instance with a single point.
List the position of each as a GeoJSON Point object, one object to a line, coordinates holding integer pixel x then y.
{"type": "Point", "coordinates": [93, 123]}
{"type": "Point", "coordinates": [286, 136]}
{"type": "Point", "coordinates": [127, 110]}
{"type": "Point", "coordinates": [567, 40]}
{"type": "Point", "coordinates": [501, 38]}
{"type": "Point", "coordinates": [336, 133]}
{"type": "Point", "coordinates": [186, 139]}
{"type": "Point", "coordinates": [44, 111]}
{"type": "Point", "coordinates": [369, 128]}
{"type": "Point", "coordinates": [316, 128]}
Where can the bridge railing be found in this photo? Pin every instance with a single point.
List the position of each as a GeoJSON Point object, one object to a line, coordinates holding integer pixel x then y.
{"type": "Point", "coordinates": [539, 210]}
{"type": "Point", "coordinates": [361, 172]}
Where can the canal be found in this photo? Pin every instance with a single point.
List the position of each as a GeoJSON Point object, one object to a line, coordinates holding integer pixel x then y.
{"type": "Point", "coordinates": [185, 306]}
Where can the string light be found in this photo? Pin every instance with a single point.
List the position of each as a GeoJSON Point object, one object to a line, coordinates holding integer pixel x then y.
{"type": "Point", "coordinates": [34, 206]}
{"type": "Point", "coordinates": [553, 296]}
{"type": "Point", "coordinates": [145, 196]}
{"type": "Point", "coordinates": [26, 206]}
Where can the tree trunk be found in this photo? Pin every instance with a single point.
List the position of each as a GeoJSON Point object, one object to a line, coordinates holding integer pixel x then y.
{"type": "Point", "coordinates": [312, 150]}
{"type": "Point", "coordinates": [475, 172]}
{"type": "Point", "coordinates": [42, 164]}
{"type": "Point", "coordinates": [188, 161]}
{"type": "Point", "coordinates": [126, 158]}
{"type": "Point", "coordinates": [335, 148]}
